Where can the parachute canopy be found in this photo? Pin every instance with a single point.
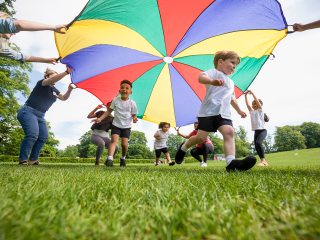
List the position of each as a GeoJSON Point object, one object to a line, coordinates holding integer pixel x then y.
{"type": "Point", "coordinates": [162, 46]}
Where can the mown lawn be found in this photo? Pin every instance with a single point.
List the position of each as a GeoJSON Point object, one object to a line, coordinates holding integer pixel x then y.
{"type": "Point", "coordinates": [74, 201]}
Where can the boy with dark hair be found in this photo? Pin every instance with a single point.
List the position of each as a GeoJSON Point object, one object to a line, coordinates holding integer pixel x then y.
{"type": "Point", "coordinates": [125, 111]}
{"type": "Point", "coordinates": [215, 114]}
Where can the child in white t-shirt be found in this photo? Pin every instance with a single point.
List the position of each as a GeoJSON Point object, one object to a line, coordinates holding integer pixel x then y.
{"type": "Point", "coordinates": [258, 119]}
{"type": "Point", "coordinates": [215, 114]}
{"type": "Point", "coordinates": [125, 111]}
{"type": "Point", "coordinates": [160, 144]}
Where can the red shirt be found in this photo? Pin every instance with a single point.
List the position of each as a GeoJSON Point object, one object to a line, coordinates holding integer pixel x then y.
{"type": "Point", "coordinates": [193, 133]}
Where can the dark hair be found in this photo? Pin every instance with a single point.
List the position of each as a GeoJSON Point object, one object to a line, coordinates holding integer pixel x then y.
{"type": "Point", "coordinates": [162, 124]}
{"type": "Point", "coordinates": [108, 103]}
{"type": "Point", "coordinates": [127, 82]}
{"type": "Point", "coordinates": [266, 118]}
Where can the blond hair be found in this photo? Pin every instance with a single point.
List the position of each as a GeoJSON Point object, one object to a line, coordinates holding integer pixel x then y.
{"type": "Point", "coordinates": [49, 72]}
{"type": "Point", "coordinates": [224, 55]}
{"type": "Point", "coordinates": [4, 15]}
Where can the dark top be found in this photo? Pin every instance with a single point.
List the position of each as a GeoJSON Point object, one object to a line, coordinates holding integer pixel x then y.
{"type": "Point", "coordinates": [42, 97]}
{"type": "Point", "coordinates": [105, 124]}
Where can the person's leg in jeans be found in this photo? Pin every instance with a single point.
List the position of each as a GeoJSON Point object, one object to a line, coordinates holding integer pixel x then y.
{"type": "Point", "coordinates": [29, 123]}
{"type": "Point", "coordinates": [41, 140]}
{"type": "Point", "coordinates": [207, 148]}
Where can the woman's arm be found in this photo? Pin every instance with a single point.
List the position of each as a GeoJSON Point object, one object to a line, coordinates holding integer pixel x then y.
{"type": "Point", "coordinates": [42, 60]}
{"type": "Point", "coordinates": [25, 25]}
{"type": "Point", "coordinates": [93, 114]}
{"type": "Point", "coordinates": [247, 103]}
{"type": "Point", "coordinates": [103, 116]}
{"type": "Point", "coordinates": [65, 96]}
{"type": "Point", "coordinates": [302, 27]}
{"type": "Point", "coordinates": [256, 99]}
{"type": "Point", "coordinates": [56, 78]}
{"type": "Point", "coordinates": [182, 135]}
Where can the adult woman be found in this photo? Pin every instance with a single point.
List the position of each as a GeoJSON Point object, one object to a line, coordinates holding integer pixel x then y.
{"type": "Point", "coordinates": [31, 115]}
{"type": "Point", "coordinates": [204, 148]}
{"type": "Point", "coordinates": [10, 26]}
{"type": "Point", "coordinates": [100, 136]}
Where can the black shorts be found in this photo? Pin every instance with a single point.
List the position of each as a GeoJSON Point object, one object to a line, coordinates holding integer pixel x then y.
{"type": "Point", "coordinates": [158, 151]}
{"type": "Point", "coordinates": [212, 123]}
{"type": "Point", "coordinates": [122, 132]}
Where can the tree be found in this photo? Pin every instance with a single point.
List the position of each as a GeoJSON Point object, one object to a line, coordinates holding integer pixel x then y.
{"type": "Point", "coordinates": [173, 144]}
{"type": "Point", "coordinates": [7, 6]}
{"type": "Point", "coordinates": [51, 144]}
{"type": "Point", "coordinates": [137, 137]}
{"type": "Point", "coordinates": [242, 147]}
{"type": "Point", "coordinates": [267, 144]}
{"type": "Point", "coordinates": [69, 151]}
{"type": "Point", "coordinates": [288, 138]}
{"type": "Point", "coordinates": [84, 144]}
{"type": "Point", "coordinates": [138, 146]}
{"type": "Point", "coordinates": [241, 133]}
{"type": "Point", "coordinates": [217, 143]}
{"type": "Point", "coordinates": [311, 132]}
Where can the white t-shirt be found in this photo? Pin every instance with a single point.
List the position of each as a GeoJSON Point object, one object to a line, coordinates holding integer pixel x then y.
{"type": "Point", "coordinates": [162, 143]}
{"type": "Point", "coordinates": [101, 133]}
{"type": "Point", "coordinates": [257, 119]}
{"type": "Point", "coordinates": [123, 111]}
{"type": "Point", "coordinates": [218, 98]}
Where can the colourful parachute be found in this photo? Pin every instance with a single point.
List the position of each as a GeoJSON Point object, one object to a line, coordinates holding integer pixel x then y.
{"type": "Point", "coordinates": [162, 46]}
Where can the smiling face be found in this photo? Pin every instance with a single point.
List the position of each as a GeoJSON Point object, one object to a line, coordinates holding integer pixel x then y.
{"type": "Point", "coordinates": [254, 105]}
{"type": "Point", "coordinates": [166, 128]}
{"type": "Point", "coordinates": [227, 66]}
{"type": "Point", "coordinates": [125, 91]}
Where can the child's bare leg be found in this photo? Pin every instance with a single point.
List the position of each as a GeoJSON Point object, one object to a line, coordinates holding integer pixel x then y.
{"type": "Point", "coordinates": [124, 145]}
{"type": "Point", "coordinates": [113, 144]}
{"type": "Point", "coordinates": [199, 138]}
{"type": "Point", "coordinates": [228, 142]}
{"type": "Point", "coordinates": [168, 157]}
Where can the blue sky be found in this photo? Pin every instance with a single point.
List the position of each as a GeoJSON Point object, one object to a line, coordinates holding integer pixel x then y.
{"type": "Point", "coordinates": [288, 85]}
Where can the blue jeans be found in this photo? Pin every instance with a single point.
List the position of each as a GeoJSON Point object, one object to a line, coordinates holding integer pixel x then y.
{"type": "Point", "coordinates": [35, 127]}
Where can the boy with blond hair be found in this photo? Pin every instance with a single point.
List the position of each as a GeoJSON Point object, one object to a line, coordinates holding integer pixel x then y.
{"type": "Point", "coordinates": [215, 114]}
{"type": "Point", "coordinates": [125, 111]}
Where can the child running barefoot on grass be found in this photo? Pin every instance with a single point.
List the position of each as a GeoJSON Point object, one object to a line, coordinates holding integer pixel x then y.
{"type": "Point", "coordinates": [204, 148]}
{"type": "Point", "coordinates": [258, 119]}
{"type": "Point", "coordinates": [160, 144]}
{"type": "Point", "coordinates": [215, 114]}
{"type": "Point", "coordinates": [125, 111]}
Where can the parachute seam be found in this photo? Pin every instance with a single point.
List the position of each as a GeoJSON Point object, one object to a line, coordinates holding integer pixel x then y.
{"type": "Point", "coordinates": [165, 45]}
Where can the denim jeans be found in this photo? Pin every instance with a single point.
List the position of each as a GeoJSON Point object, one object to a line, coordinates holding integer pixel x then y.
{"type": "Point", "coordinates": [35, 127]}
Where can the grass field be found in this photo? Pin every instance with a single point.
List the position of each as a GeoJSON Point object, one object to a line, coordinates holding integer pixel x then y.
{"type": "Point", "coordinates": [79, 201]}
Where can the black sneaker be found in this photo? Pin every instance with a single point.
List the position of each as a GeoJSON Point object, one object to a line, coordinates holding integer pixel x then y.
{"type": "Point", "coordinates": [172, 163]}
{"type": "Point", "coordinates": [242, 165]}
{"type": "Point", "coordinates": [180, 155]}
{"type": "Point", "coordinates": [122, 162]}
{"type": "Point", "coordinates": [108, 163]}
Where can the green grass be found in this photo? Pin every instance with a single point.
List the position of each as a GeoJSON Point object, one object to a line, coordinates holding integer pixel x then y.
{"type": "Point", "coordinates": [80, 201]}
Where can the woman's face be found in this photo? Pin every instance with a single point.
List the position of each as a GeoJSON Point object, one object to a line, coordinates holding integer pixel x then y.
{"type": "Point", "coordinates": [195, 126]}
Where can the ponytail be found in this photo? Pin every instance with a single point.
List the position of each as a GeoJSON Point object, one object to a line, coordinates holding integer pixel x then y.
{"type": "Point", "coordinates": [266, 118]}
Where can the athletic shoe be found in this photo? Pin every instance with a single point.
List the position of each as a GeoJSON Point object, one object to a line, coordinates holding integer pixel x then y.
{"type": "Point", "coordinates": [122, 162]}
{"type": "Point", "coordinates": [180, 155]}
{"type": "Point", "coordinates": [157, 165]}
{"type": "Point", "coordinates": [203, 164]}
{"type": "Point", "coordinates": [172, 163]}
{"type": "Point", "coordinates": [242, 165]}
{"type": "Point", "coordinates": [108, 163]}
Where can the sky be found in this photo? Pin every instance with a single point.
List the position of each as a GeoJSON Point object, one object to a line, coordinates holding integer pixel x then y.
{"type": "Point", "coordinates": [288, 85]}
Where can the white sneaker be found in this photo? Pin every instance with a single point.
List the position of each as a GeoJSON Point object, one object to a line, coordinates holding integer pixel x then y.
{"type": "Point", "coordinates": [203, 164]}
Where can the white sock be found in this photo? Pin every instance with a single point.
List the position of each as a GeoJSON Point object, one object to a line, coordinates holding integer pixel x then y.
{"type": "Point", "coordinates": [110, 158]}
{"type": "Point", "coordinates": [184, 148]}
{"type": "Point", "coordinates": [123, 157]}
{"type": "Point", "coordinates": [229, 159]}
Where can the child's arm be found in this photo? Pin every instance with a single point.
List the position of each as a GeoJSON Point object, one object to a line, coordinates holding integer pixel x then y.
{"type": "Point", "coordinates": [106, 114]}
{"type": "Point", "coordinates": [255, 99]}
{"type": "Point", "coordinates": [182, 135]}
{"type": "Point", "coordinates": [302, 27]}
{"type": "Point", "coordinates": [156, 135]}
{"type": "Point", "coordinates": [93, 114]}
{"type": "Point", "coordinates": [247, 103]}
{"type": "Point", "coordinates": [235, 105]}
{"type": "Point", "coordinates": [204, 79]}
{"type": "Point", "coordinates": [134, 118]}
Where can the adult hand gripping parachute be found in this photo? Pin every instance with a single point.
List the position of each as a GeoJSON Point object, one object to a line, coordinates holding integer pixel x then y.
{"type": "Point", "coordinates": [162, 46]}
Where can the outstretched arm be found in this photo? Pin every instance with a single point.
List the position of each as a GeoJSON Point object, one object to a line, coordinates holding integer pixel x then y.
{"type": "Point", "coordinates": [93, 114]}
{"type": "Point", "coordinates": [56, 78]}
{"type": "Point", "coordinates": [65, 96]}
{"type": "Point", "coordinates": [182, 135]}
{"type": "Point", "coordinates": [235, 105]}
{"type": "Point", "coordinates": [24, 25]}
{"type": "Point", "coordinates": [302, 27]}
{"type": "Point", "coordinates": [42, 60]}
{"type": "Point", "coordinates": [255, 99]}
{"type": "Point", "coordinates": [247, 103]}
{"type": "Point", "coordinates": [106, 114]}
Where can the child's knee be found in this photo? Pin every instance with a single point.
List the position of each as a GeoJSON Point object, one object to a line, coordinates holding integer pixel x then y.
{"type": "Point", "coordinates": [201, 139]}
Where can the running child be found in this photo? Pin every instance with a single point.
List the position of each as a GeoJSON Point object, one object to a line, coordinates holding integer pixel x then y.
{"type": "Point", "coordinates": [215, 112]}
{"type": "Point", "coordinates": [125, 111]}
{"type": "Point", "coordinates": [204, 148]}
{"type": "Point", "coordinates": [258, 120]}
{"type": "Point", "coordinates": [160, 144]}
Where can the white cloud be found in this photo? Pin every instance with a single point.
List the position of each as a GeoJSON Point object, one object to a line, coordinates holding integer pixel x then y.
{"type": "Point", "coordinates": [288, 85]}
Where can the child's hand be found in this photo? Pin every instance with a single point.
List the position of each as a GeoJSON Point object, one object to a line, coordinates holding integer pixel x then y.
{"type": "Point", "coordinates": [97, 120]}
{"type": "Point", "coordinates": [218, 82]}
{"type": "Point", "coordinates": [249, 92]}
{"type": "Point", "coordinates": [134, 119]}
{"type": "Point", "coordinates": [242, 114]}
{"type": "Point", "coordinates": [99, 106]}
{"type": "Point", "coordinates": [177, 129]}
